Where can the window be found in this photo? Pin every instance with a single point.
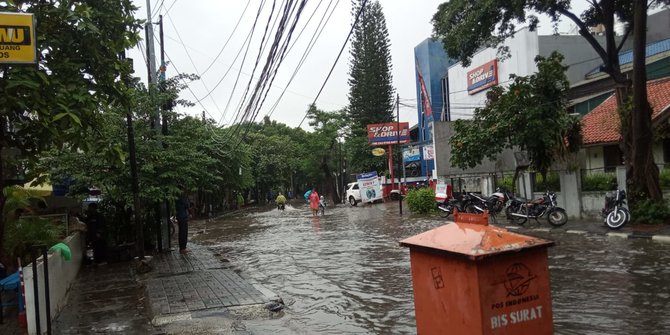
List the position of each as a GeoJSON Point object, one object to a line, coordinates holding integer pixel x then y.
{"type": "Point", "coordinates": [446, 116]}
{"type": "Point", "coordinates": [666, 150]}
{"type": "Point", "coordinates": [612, 157]}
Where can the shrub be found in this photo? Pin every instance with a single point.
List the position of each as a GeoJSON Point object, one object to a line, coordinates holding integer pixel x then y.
{"type": "Point", "coordinates": [505, 182]}
{"type": "Point", "coordinates": [21, 233]}
{"type": "Point", "coordinates": [664, 178]}
{"type": "Point", "coordinates": [599, 182]}
{"type": "Point", "coordinates": [552, 183]}
{"type": "Point", "coordinates": [650, 211]}
{"type": "Point", "coordinates": [421, 200]}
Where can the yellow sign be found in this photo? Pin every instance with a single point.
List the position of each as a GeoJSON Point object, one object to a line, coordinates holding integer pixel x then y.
{"type": "Point", "coordinates": [378, 151]}
{"type": "Point", "coordinates": [17, 38]}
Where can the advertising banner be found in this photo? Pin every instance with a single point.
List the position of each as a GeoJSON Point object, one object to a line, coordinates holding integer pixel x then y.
{"type": "Point", "coordinates": [387, 133]}
{"type": "Point", "coordinates": [411, 154]}
{"type": "Point", "coordinates": [428, 152]}
{"type": "Point", "coordinates": [425, 100]}
{"type": "Point", "coordinates": [17, 38]}
{"type": "Point", "coordinates": [483, 77]}
{"type": "Point", "coordinates": [369, 185]}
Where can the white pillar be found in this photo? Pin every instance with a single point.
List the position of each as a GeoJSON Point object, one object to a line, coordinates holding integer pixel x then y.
{"type": "Point", "coordinates": [570, 198]}
{"type": "Point", "coordinates": [487, 185]}
{"type": "Point", "coordinates": [524, 185]}
{"type": "Point", "coordinates": [621, 177]}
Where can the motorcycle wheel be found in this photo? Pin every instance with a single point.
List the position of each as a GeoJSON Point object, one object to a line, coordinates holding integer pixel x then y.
{"type": "Point", "coordinates": [470, 208]}
{"type": "Point", "coordinates": [557, 217]}
{"type": "Point", "coordinates": [520, 220]}
{"type": "Point", "coordinates": [444, 211]}
{"type": "Point", "coordinates": [617, 219]}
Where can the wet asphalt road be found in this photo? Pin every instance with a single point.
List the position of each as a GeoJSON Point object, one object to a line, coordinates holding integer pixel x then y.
{"type": "Point", "coordinates": [345, 272]}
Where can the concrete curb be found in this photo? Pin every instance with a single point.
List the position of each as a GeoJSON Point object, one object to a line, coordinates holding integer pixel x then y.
{"type": "Point", "coordinates": [661, 238]}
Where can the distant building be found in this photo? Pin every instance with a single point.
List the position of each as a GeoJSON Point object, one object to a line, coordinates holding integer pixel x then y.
{"type": "Point", "coordinates": [431, 67]}
{"type": "Point", "coordinates": [455, 91]}
{"type": "Point", "coordinates": [467, 86]}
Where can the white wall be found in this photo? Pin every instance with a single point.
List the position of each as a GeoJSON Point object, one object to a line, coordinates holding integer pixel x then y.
{"type": "Point", "coordinates": [593, 158]}
{"type": "Point", "coordinates": [523, 49]}
{"type": "Point", "coordinates": [658, 153]}
{"type": "Point", "coordinates": [62, 274]}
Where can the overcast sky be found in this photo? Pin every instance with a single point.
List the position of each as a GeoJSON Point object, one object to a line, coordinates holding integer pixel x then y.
{"type": "Point", "coordinates": [196, 30]}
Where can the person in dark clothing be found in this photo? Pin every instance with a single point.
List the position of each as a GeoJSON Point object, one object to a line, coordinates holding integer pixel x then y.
{"type": "Point", "coordinates": [182, 205]}
{"type": "Point", "coordinates": [96, 232]}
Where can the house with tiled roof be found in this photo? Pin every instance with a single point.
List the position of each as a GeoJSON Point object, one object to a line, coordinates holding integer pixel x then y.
{"type": "Point", "coordinates": [601, 129]}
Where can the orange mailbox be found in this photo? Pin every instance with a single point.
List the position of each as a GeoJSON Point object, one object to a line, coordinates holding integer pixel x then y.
{"type": "Point", "coordinates": [472, 278]}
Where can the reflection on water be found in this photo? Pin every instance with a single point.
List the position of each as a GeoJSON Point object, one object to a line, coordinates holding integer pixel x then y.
{"type": "Point", "coordinates": [345, 272]}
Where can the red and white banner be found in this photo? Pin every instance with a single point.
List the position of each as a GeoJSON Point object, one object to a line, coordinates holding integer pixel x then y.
{"type": "Point", "coordinates": [425, 100]}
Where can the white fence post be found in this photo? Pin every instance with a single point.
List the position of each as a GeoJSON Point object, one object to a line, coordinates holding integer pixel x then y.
{"type": "Point", "coordinates": [570, 198]}
{"type": "Point", "coordinates": [621, 177]}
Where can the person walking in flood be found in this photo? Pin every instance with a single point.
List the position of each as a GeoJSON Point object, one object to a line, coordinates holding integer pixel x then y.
{"type": "Point", "coordinates": [314, 202]}
{"type": "Point", "coordinates": [96, 233]}
{"type": "Point", "coordinates": [281, 201]}
{"type": "Point", "coordinates": [181, 206]}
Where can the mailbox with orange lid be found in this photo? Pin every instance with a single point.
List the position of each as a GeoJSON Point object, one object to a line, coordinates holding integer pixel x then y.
{"type": "Point", "coordinates": [472, 278]}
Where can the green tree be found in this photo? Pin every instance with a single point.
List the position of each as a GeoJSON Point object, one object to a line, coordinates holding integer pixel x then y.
{"type": "Point", "coordinates": [53, 103]}
{"type": "Point", "coordinates": [326, 152]}
{"type": "Point", "coordinates": [464, 26]}
{"type": "Point", "coordinates": [192, 156]}
{"type": "Point", "coordinates": [539, 103]}
{"type": "Point", "coordinates": [371, 92]}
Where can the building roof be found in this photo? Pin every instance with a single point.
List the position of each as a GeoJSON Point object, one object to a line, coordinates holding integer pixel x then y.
{"type": "Point", "coordinates": [627, 56]}
{"type": "Point", "coordinates": [601, 125]}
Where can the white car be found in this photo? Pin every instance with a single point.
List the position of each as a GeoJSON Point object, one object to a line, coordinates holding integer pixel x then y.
{"type": "Point", "coordinates": [353, 193]}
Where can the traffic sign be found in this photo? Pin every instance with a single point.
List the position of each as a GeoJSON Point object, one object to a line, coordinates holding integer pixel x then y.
{"type": "Point", "coordinates": [17, 38]}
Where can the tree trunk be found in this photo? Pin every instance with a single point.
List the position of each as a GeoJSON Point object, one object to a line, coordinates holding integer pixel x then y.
{"type": "Point", "coordinates": [330, 181]}
{"type": "Point", "coordinates": [642, 173]}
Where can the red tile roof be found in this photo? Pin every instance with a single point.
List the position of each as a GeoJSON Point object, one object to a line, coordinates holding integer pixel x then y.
{"type": "Point", "coordinates": [601, 125]}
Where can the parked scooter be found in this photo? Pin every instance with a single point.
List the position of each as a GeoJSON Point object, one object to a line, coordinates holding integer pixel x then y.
{"type": "Point", "coordinates": [614, 213]}
{"type": "Point", "coordinates": [520, 211]}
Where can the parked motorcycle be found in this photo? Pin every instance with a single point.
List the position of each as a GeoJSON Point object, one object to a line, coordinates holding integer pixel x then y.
{"type": "Point", "coordinates": [614, 213]}
{"type": "Point", "coordinates": [494, 203]}
{"type": "Point", "coordinates": [520, 211]}
{"type": "Point", "coordinates": [459, 202]}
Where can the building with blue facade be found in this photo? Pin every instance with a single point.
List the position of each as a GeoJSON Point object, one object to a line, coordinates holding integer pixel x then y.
{"type": "Point", "coordinates": [432, 63]}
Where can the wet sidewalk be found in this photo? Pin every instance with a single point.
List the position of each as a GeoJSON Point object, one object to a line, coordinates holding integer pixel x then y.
{"type": "Point", "coordinates": [182, 294]}
{"type": "Point", "coordinates": [656, 232]}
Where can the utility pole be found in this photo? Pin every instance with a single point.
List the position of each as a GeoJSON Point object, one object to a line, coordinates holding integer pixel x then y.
{"type": "Point", "coordinates": [155, 119]}
{"type": "Point", "coordinates": [165, 106]}
{"type": "Point", "coordinates": [134, 178]}
{"type": "Point", "coordinates": [151, 53]}
{"type": "Point", "coordinates": [397, 103]}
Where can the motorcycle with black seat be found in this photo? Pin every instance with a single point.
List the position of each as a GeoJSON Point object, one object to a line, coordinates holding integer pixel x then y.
{"type": "Point", "coordinates": [615, 214]}
{"type": "Point", "coordinates": [519, 211]}
{"type": "Point", "coordinates": [459, 201]}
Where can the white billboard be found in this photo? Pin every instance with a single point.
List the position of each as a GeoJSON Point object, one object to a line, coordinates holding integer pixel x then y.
{"type": "Point", "coordinates": [369, 186]}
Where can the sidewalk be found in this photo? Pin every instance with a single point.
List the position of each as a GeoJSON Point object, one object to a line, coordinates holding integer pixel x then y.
{"type": "Point", "coordinates": [656, 232]}
{"type": "Point", "coordinates": [183, 294]}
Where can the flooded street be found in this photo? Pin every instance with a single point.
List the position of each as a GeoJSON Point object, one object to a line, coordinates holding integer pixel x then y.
{"type": "Point", "coordinates": [346, 273]}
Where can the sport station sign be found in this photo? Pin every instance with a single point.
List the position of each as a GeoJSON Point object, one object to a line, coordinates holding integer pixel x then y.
{"type": "Point", "coordinates": [387, 133]}
{"type": "Point", "coordinates": [483, 77]}
{"type": "Point", "coordinates": [17, 38]}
